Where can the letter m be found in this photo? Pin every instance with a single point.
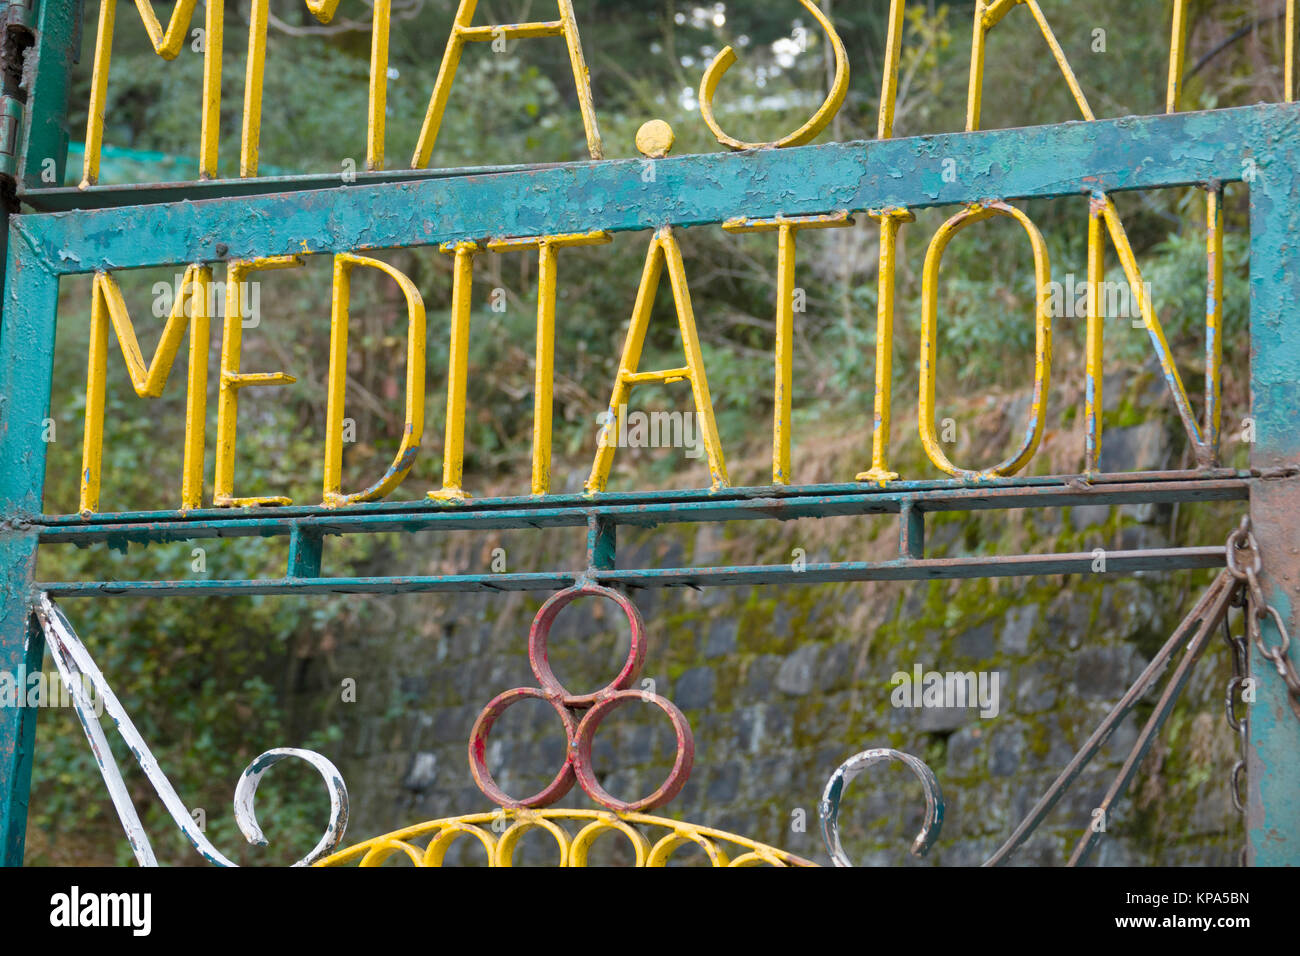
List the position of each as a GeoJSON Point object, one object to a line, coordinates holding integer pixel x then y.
{"type": "Point", "coordinates": [107, 305]}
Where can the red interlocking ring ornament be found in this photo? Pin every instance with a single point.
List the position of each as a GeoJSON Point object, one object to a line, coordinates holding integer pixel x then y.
{"type": "Point", "coordinates": [580, 733]}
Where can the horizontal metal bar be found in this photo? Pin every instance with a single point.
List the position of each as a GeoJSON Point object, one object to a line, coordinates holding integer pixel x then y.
{"type": "Point", "coordinates": [963, 487]}
{"type": "Point", "coordinates": [927, 569]}
{"type": "Point", "coordinates": [384, 585]}
{"type": "Point", "coordinates": [1116, 562]}
{"type": "Point", "coordinates": [646, 511]}
{"type": "Point", "coordinates": [69, 198]}
{"type": "Point", "coordinates": [1069, 159]}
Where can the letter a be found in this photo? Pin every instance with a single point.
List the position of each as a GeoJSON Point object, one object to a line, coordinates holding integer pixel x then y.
{"type": "Point", "coordinates": [663, 249]}
{"type": "Point", "coordinates": [462, 32]}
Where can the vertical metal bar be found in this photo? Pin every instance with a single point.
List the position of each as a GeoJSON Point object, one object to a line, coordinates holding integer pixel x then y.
{"type": "Point", "coordinates": [1213, 319]}
{"type": "Point", "coordinates": [1273, 756]}
{"type": "Point", "coordinates": [45, 134]}
{"type": "Point", "coordinates": [26, 371]}
{"type": "Point", "coordinates": [462, 303]}
{"type": "Point", "coordinates": [602, 542]}
{"type": "Point", "coordinates": [783, 400]}
{"type": "Point", "coordinates": [378, 84]}
{"type": "Point", "coordinates": [251, 137]}
{"type": "Point", "coordinates": [305, 547]}
{"type": "Point", "coordinates": [1096, 340]}
{"type": "Point", "coordinates": [1289, 69]}
{"type": "Point", "coordinates": [18, 742]}
{"type": "Point", "coordinates": [1177, 56]}
{"type": "Point", "coordinates": [911, 530]}
{"type": "Point", "coordinates": [889, 83]}
{"type": "Point", "coordinates": [544, 373]}
{"type": "Point", "coordinates": [891, 219]}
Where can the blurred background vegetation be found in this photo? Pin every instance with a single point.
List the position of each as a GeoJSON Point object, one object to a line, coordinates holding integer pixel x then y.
{"type": "Point", "coordinates": [209, 682]}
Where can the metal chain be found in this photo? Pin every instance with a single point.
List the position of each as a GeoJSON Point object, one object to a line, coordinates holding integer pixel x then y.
{"type": "Point", "coordinates": [1239, 725]}
{"type": "Point", "coordinates": [1245, 565]}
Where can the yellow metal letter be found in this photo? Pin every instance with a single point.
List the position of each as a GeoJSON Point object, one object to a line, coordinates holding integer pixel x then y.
{"type": "Point", "coordinates": [453, 449]}
{"type": "Point", "coordinates": [544, 376]}
{"type": "Point", "coordinates": [787, 229]}
{"type": "Point", "coordinates": [663, 250]}
{"type": "Point", "coordinates": [1095, 348]}
{"type": "Point", "coordinates": [987, 15]}
{"type": "Point", "coordinates": [413, 429]}
{"type": "Point", "coordinates": [323, 11]}
{"type": "Point", "coordinates": [462, 32]}
{"type": "Point", "coordinates": [820, 120]}
{"type": "Point", "coordinates": [167, 45]}
{"type": "Point", "coordinates": [107, 305]}
{"type": "Point", "coordinates": [232, 380]}
{"type": "Point", "coordinates": [891, 220]}
{"type": "Point", "coordinates": [978, 212]}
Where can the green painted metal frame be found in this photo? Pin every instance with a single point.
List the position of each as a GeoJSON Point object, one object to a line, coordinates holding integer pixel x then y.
{"type": "Point", "coordinates": [71, 232]}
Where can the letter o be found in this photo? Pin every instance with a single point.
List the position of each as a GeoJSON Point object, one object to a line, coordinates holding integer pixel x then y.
{"type": "Point", "coordinates": [978, 212]}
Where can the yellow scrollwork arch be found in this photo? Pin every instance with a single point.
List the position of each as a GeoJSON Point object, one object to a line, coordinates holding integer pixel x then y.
{"type": "Point", "coordinates": [806, 133]}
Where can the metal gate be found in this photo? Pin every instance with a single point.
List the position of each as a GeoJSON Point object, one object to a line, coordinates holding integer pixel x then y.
{"type": "Point", "coordinates": [237, 227]}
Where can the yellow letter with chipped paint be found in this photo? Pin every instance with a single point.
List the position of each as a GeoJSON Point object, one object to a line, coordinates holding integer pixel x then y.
{"type": "Point", "coordinates": [232, 380]}
{"type": "Point", "coordinates": [663, 249]}
{"type": "Point", "coordinates": [462, 32]}
{"type": "Point", "coordinates": [414, 426]}
{"type": "Point", "coordinates": [167, 45]}
{"type": "Point", "coordinates": [544, 376]}
{"type": "Point", "coordinates": [108, 305]}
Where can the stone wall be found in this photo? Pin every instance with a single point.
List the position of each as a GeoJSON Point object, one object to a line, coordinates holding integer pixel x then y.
{"type": "Point", "coordinates": [783, 684]}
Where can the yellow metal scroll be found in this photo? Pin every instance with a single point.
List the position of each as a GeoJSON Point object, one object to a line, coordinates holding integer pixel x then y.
{"type": "Point", "coordinates": [787, 229]}
{"type": "Point", "coordinates": [463, 32]}
{"type": "Point", "coordinates": [663, 250]}
{"type": "Point", "coordinates": [413, 429]}
{"type": "Point", "coordinates": [499, 834]}
{"type": "Point", "coordinates": [232, 380]}
{"type": "Point", "coordinates": [544, 377]}
{"type": "Point", "coordinates": [978, 212]}
{"type": "Point", "coordinates": [820, 120]}
{"type": "Point", "coordinates": [107, 305]}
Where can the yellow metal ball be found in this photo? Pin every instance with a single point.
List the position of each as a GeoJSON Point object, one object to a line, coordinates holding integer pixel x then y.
{"type": "Point", "coordinates": [655, 139]}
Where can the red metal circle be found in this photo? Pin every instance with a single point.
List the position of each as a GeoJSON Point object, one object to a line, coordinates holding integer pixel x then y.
{"type": "Point", "coordinates": [541, 632]}
{"type": "Point", "coordinates": [478, 738]}
{"type": "Point", "coordinates": [580, 755]}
